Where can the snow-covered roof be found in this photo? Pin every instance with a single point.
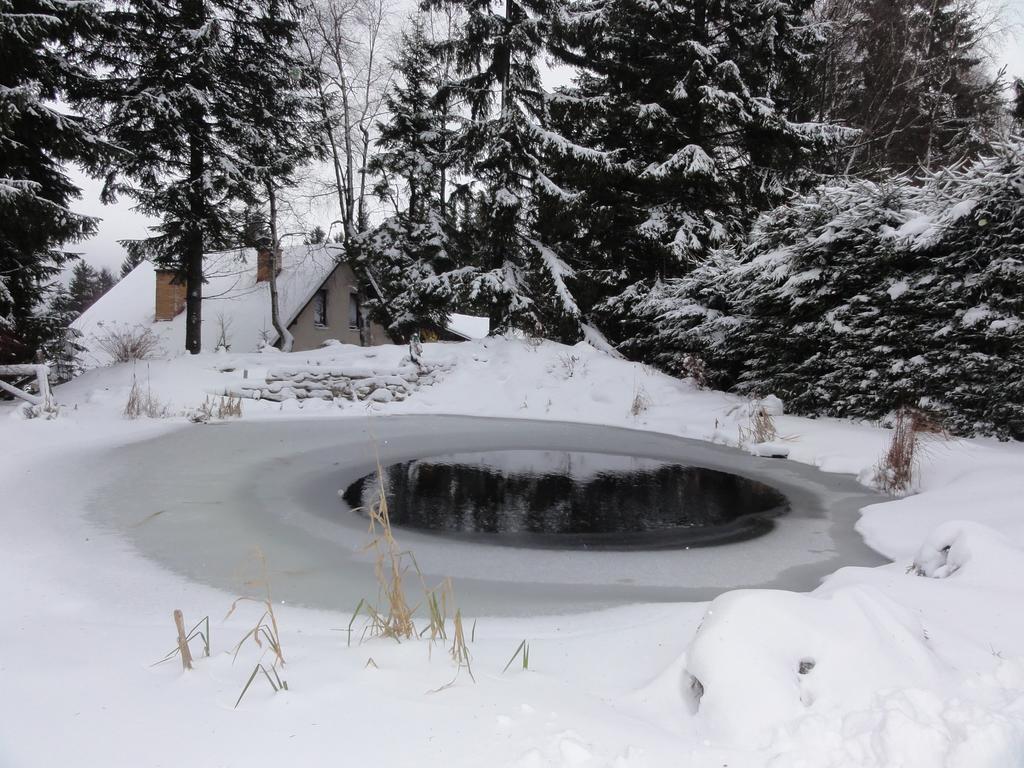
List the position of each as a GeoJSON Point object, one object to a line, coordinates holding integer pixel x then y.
{"type": "Point", "coordinates": [231, 293]}
{"type": "Point", "coordinates": [468, 326]}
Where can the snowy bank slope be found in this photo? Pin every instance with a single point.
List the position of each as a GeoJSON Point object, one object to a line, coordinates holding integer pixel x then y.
{"type": "Point", "coordinates": [917, 663]}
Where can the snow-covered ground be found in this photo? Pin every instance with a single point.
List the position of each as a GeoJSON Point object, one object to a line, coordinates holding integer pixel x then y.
{"type": "Point", "coordinates": [916, 663]}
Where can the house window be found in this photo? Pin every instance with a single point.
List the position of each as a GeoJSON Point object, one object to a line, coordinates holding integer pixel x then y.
{"type": "Point", "coordinates": [320, 308]}
{"type": "Point", "coordinates": [354, 318]}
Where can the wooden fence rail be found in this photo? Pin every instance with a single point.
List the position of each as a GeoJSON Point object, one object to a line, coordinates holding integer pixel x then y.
{"type": "Point", "coordinates": [42, 374]}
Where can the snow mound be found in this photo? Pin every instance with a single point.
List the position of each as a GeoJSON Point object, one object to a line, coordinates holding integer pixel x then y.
{"type": "Point", "coordinates": [765, 658]}
{"type": "Point", "coordinates": [772, 449]}
{"type": "Point", "coordinates": [967, 549]}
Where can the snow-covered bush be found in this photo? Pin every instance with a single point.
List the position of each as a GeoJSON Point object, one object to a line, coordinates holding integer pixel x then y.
{"type": "Point", "coordinates": [860, 298]}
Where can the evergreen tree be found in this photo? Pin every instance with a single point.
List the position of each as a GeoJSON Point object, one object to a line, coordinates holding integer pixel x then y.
{"type": "Point", "coordinates": [84, 288]}
{"type": "Point", "coordinates": [105, 281]}
{"type": "Point", "coordinates": [316, 236]}
{"type": "Point", "coordinates": [684, 106]}
{"type": "Point", "coordinates": [175, 98]}
{"type": "Point", "coordinates": [411, 142]}
{"type": "Point", "coordinates": [131, 261]}
{"type": "Point", "coordinates": [859, 298]}
{"type": "Point", "coordinates": [909, 75]}
{"type": "Point", "coordinates": [39, 65]}
{"type": "Point", "coordinates": [514, 276]}
{"type": "Point", "coordinates": [60, 347]}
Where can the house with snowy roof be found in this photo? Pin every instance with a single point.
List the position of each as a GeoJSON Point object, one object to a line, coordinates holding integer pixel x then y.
{"type": "Point", "coordinates": [318, 294]}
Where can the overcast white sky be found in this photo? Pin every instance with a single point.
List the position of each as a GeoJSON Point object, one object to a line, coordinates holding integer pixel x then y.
{"type": "Point", "coordinates": [120, 222]}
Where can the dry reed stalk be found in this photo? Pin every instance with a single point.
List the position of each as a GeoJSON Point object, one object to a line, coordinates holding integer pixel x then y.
{"type": "Point", "coordinates": [437, 604]}
{"type": "Point", "coordinates": [460, 650]}
{"type": "Point", "coordinates": [899, 465]}
{"type": "Point", "coordinates": [273, 677]}
{"type": "Point", "coordinates": [229, 407]}
{"type": "Point", "coordinates": [191, 635]}
{"type": "Point", "coordinates": [269, 632]}
{"type": "Point", "coordinates": [143, 403]}
{"type": "Point", "coordinates": [761, 425]}
{"type": "Point", "coordinates": [391, 565]}
{"type": "Point", "coordinates": [389, 568]}
{"type": "Point", "coordinates": [262, 632]}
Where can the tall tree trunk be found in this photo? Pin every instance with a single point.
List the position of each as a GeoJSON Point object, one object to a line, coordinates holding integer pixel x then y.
{"type": "Point", "coordinates": [285, 338]}
{"type": "Point", "coordinates": [362, 218]}
{"type": "Point", "coordinates": [414, 200]}
{"type": "Point", "coordinates": [336, 160]}
{"type": "Point", "coordinates": [506, 58]}
{"type": "Point", "coordinates": [350, 181]}
{"type": "Point", "coordinates": [194, 248]}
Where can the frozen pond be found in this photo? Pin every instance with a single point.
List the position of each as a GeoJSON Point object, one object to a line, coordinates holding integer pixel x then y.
{"type": "Point", "coordinates": [200, 500]}
{"type": "Point", "coordinates": [569, 500]}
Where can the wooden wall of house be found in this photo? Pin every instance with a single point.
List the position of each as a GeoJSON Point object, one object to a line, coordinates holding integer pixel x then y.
{"type": "Point", "coordinates": [310, 335]}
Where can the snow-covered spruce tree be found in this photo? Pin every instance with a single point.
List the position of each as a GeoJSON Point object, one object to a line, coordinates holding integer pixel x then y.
{"type": "Point", "coordinates": [813, 290]}
{"type": "Point", "coordinates": [1017, 107]}
{"type": "Point", "coordinates": [910, 75]}
{"type": "Point", "coordinates": [38, 66]}
{"type": "Point", "coordinates": [687, 103]}
{"type": "Point", "coordinates": [60, 347]}
{"type": "Point", "coordinates": [408, 257]}
{"type": "Point", "coordinates": [683, 324]}
{"type": "Point", "coordinates": [513, 275]}
{"type": "Point", "coordinates": [280, 128]}
{"type": "Point", "coordinates": [87, 286]}
{"type": "Point", "coordinates": [413, 142]}
{"type": "Point", "coordinates": [860, 298]}
{"type": "Point", "coordinates": [974, 306]}
{"type": "Point", "coordinates": [173, 101]}
{"type": "Point", "coordinates": [131, 261]}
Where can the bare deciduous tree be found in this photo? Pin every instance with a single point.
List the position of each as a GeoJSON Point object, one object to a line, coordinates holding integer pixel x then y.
{"type": "Point", "coordinates": [348, 42]}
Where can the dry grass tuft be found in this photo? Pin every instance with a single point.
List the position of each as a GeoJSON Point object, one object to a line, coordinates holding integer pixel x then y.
{"type": "Point", "coordinates": [127, 344]}
{"type": "Point", "coordinates": [641, 401]}
{"type": "Point", "coordinates": [437, 604]}
{"type": "Point", "coordinates": [229, 407]}
{"type": "Point", "coordinates": [460, 650]}
{"type": "Point", "coordinates": [393, 615]}
{"type": "Point", "coordinates": [143, 403]}
{"type": "Point", "coordinates": [459, 653]}
{"type": "Point", "coordinates": [897, 470]}
{"type": "Point", "coordinates": [761, 427]}
{"type": "Point", "coordinates": [390, 567]}
{"type": "Point", "coordinates": [264, 631]}
{"type": "Point", "coordinates": [272, 676]}
{"type": "Point", "coordinates": [572, 365]}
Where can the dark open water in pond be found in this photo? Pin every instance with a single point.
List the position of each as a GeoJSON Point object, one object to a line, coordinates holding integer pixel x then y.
{"type": "Point", "coordinates": [564, 499]}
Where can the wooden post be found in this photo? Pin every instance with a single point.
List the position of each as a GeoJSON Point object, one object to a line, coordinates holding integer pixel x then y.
{"type": "Point", "coordinates": [186, 654]}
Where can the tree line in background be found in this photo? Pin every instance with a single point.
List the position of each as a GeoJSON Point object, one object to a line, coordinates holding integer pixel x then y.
{"type": "Point", "coordinates": [694, 137]}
